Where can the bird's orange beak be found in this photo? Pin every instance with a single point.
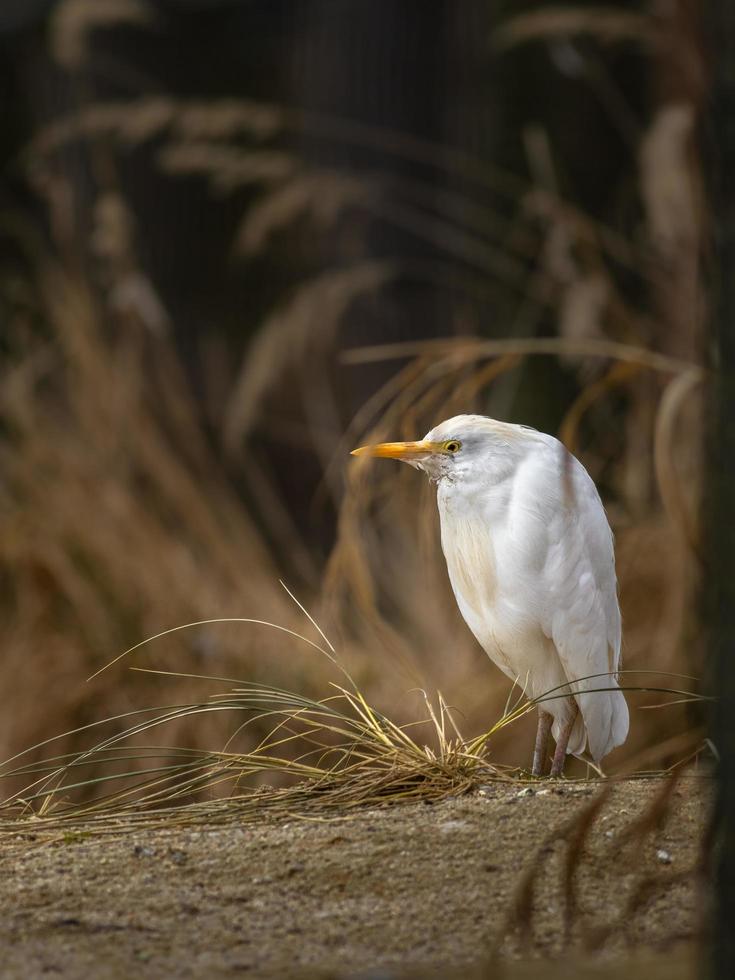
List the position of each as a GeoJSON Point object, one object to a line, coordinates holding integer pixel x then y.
{"type": "Point", "coordinates": [398, 450]}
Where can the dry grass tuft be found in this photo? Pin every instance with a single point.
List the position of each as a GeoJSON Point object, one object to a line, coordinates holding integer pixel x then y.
{"type": "Point", "coordinates": [315, 310]}
{"type": "Point", "coordinates": [321, 194]}
{"type": "Point", "coordinates": [334, 754]}
{"type": "Point", "coordinates": [72, 21]}
{"type": "Point", "coordinates": [227, 168]}
{"type": "Point", "coordinates": [604, 23]}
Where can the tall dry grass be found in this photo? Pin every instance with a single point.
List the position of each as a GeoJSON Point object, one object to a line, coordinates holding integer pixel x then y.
{"type": "Point", "coordinates": [119, 516]}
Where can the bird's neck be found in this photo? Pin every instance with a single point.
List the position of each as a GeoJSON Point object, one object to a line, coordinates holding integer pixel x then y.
{"type": "Point", "coordinates": [480, 495]}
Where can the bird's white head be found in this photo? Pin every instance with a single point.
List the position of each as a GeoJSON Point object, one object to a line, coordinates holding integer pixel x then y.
{"type": "Point", "coordinates": [459, 448]}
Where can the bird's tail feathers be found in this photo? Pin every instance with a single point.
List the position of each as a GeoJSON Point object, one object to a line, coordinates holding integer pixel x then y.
{"type": "Point", "coordinates": [578, 738]}
{"type": "Point", "coordinates": [605, 720]}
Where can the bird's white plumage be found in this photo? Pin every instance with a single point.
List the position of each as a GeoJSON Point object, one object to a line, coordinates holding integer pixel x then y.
{"type": "Point", "coordinates": [530, 558]}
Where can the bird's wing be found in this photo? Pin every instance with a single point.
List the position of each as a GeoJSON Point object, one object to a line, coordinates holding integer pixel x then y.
{"type": "Point", "coordinates": [580, 611]}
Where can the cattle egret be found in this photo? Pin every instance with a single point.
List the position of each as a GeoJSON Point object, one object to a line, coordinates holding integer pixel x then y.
{"type": "Point", "coordinates": [530, 558]}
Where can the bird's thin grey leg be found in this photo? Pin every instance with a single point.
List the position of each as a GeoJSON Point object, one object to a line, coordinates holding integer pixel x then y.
{"type": "Point", "coordinates": [560, 753]}
{"type": "Point", "coordinates": [545, 720]}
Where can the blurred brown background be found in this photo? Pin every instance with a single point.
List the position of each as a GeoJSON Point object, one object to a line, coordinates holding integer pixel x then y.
{"type": "Point", "coordinates": [239, 238]}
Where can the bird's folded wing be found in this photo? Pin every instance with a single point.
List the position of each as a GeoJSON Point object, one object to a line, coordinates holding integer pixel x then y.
{"type": "Point", "coordinates": [582, 618]}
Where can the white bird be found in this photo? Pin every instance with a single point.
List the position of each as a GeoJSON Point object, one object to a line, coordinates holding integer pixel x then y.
{"type": "Point", "coordinates": [530, 558]}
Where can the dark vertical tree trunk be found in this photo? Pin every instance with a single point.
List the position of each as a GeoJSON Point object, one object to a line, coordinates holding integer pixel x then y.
{"type": "Point", "coordinates": [720, 583]}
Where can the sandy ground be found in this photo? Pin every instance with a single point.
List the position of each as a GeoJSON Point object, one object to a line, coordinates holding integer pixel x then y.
{"type": "Point", "coordinates": [423, 888]}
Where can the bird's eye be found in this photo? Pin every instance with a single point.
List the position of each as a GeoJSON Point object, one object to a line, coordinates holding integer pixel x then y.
{"type": "Point", "coordinates": [453, 446]}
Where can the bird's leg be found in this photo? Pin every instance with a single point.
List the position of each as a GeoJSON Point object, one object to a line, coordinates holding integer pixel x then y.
{"type": "Point", "coordinates": [560, 753]}
{"type": "Point", "coordinates": [545, 720]}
